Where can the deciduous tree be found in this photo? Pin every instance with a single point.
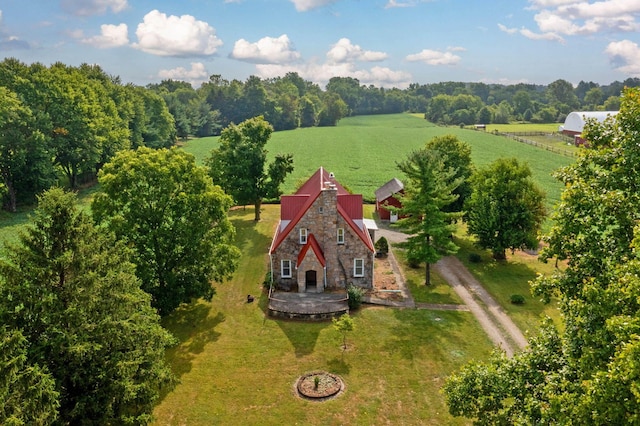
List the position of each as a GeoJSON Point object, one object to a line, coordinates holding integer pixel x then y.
{"type": "Point", "coordinates": [165, 206]}
{"type": "Point", "coordinates": [25, 167]}
{"type": "Point", "coordinates": [505, 209]}
{"type": "Point", "coordinates": [588, 373]}
{"type": "Point", "coordinates": [456, 155]}
{"type": "Point", "coordinates": [239, 164]}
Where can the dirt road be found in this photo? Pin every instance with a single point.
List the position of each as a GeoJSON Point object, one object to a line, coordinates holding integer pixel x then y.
{"type": "Point", "coordinates": [495, 322]}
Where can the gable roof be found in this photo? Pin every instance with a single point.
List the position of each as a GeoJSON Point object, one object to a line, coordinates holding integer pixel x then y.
{"type": "Point", "coordinates": [313, 244]}
{"type": "Point", "coordinates": [293, 207]}
{"type": "Point", "coordinates": [317, 181]}
{"type": "Point", "coordinates": [388, 189]}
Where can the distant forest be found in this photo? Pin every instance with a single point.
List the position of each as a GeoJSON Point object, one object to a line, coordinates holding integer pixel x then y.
{"type": "Point", "coordinates": [289, 102]}
{"type": "Point", "coordinates": [59, 124]}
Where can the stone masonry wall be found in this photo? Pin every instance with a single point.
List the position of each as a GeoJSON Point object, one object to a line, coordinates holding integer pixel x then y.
{"type": "Point", "coordinates": [323, 220]}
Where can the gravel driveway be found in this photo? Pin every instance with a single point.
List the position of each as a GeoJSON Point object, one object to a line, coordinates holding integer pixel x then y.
{"type": "Point", "coordinates": [492, 318]}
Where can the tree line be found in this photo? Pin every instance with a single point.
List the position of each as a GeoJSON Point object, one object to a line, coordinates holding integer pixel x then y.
{"type": "Point", "coordinates": [61, 124]}
{"type": "Point", "coordinates": [289, 102]}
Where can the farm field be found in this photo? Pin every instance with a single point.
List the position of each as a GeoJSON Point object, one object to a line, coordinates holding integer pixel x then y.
{"type": "Point", "coordinates": [363, 151]}
{"type": "Point", "coordinates": [237, 366]}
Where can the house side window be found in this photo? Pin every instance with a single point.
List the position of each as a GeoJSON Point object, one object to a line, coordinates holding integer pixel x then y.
{"type": "Point", "coordinates": [358, 267]}
{"type": "Point", "coordinates": [303, 235]}
{"type": "Point", "coordinates": [340, 235]}
{"type": "Point", "coordinates": [285, 268]}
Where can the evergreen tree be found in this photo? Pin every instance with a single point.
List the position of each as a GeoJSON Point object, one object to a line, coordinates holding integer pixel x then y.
{"type": "Point", "coordinates": [429, 187]}
{"type": "Point", "coordinates": [71, 291]}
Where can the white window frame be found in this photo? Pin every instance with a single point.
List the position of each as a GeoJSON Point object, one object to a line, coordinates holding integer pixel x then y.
{"type": "Point", "coordinates": [340, 236]}
{"type": "Point", "coordinates": [358, 263]}
{"type": "Point", "coordinates": [303, 235]}
{"type": "Point", "coordinates": [284, 262]}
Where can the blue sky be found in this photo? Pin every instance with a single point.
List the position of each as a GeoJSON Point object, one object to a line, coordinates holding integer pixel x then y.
{"type": "Point", "coordinates": [387, 43]}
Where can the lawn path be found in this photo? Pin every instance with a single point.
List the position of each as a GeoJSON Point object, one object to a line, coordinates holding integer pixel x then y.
{"type": "Point", "coordinates": [502, 331]}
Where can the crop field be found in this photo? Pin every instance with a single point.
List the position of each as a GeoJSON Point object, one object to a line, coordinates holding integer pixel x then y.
{"type": "Point", "coordinates": [363, 151]}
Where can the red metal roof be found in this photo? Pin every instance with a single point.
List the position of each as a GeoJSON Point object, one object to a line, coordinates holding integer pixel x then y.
{"type": "Point", "coordinates": [293, 207]}
{"type": "Point", "coordinates": [313, 243]}
{"type": "Point", "coordinates": [352, 205]}
{"type": "Point", "coordinates": [316, 183]}
{"type": "Point", "coordinates": [290, 205]}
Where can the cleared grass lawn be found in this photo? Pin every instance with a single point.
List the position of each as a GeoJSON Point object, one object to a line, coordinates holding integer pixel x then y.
{"type": "Point", "coordinates": [11, 224]}
{"type": "Point", "coordinates": [237, 366]}
{"type": "Point", "coordinates": [363, 151]}
{"type": "Point", "coordinates": [503, 279]}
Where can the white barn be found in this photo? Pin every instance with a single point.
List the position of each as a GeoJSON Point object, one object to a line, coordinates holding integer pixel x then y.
{"type": "Point", "coordinates": [575, 121]}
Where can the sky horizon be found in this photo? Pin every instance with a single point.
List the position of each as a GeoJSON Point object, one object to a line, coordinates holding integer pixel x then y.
{"type": "Point", "coordinates": [385, 43]}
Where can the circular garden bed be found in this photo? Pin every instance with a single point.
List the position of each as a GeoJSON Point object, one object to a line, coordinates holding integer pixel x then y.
{"type": "Point", "coordinates": [319, 386]}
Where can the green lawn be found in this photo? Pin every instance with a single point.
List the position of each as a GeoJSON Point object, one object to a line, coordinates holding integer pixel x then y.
{"type": "Point", "coordinates": [11, 224]}
{"type": "Point", "coordinates": [237, 366]}
{"type": "Point", "coordinates": [503, 279]}
{"type": "Point", "coordinates": [363, 151]}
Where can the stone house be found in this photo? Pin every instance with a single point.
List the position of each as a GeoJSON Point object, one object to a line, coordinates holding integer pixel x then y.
{"type": "Point", "coordinates": [322, 241]}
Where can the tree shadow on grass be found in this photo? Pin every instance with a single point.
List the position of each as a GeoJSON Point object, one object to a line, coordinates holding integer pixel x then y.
{"type": "Point", "coordinates": [302, 335]}
{"type": "Point", "coordinates": [194, 328]}
{"type": "Point", "coordinates": [421, 329]}
{"type": "Point", "coordinates": [338, 366]}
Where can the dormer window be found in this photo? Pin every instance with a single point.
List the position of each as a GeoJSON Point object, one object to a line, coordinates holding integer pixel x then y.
{"type": "Point", "coordinates": [303, 235]}
{"type": "Point", "coordinates": [340, 235]}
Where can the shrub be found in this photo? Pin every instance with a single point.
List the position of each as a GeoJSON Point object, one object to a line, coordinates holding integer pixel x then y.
{"type": "Point", "coordinates": [413, 262]}
{"type": "Point", "coordinates": [475, 258]}
{"type": "Point", "coordinates": [267, 280]}
{"type": "Point", "coordinates": [356, 294]}
{"type": "Point", "coordinates": [517, 299]}
{"type": "Point", "coordinates": [382, 246]}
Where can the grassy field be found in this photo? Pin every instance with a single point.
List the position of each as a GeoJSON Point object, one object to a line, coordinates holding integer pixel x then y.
{"type": "Point", "coordinates": [523, 127]}
{"type": "Point", "coordinates": [237, 366]}
{"type": "Point", "coordinates": [363, 151]}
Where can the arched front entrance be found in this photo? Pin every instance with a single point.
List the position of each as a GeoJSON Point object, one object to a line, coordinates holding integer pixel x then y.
{"type": "Point", "coordinates": [311, 281]}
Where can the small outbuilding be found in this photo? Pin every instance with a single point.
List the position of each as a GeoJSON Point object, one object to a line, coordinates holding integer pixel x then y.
{"type": "Point", "coordinates": [385, 198]}
{"type": "Point", "coordinates": [575, 122]}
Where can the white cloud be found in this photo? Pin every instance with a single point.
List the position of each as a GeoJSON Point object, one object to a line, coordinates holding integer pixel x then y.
{"type": "Point", "coordinates": [322, 73]}
{"type": "Point", "coordinates": [93, 7]}
{"type": "Point", "coordinates": [180, 36]}
{"type": "Point", "coordinates": [110, 36]}
{"type": "Point", "coordinates": [625, 56]}
{"type": "Point", "coordinates": [304, 5]}
{"type": "Point", "coordinates": [267, 50]}
{"type": "Point", "coordinates": [196, 75]}
{"type": "Point", "coordinates": [580, 17]}
{"type": "Point", "coordinates": [551, 36]}
{"type": "Point", "coordinates": [9, 42]}
{"type": "Point", "coordinates": [434, 57]}
{"type": "Point", "coordinates": [342, 59]}
{"type": "Point", "coordinates": [344, 51]}
{"type": "Point", "coordinates": [403, 3]}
